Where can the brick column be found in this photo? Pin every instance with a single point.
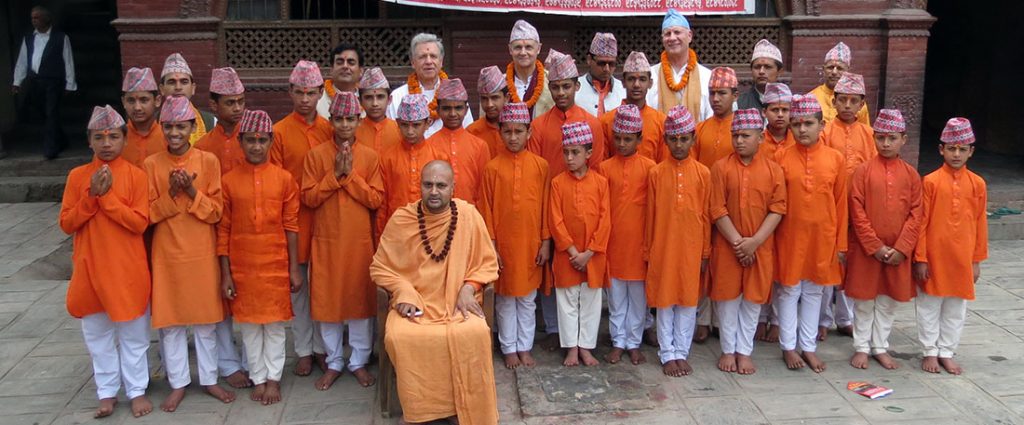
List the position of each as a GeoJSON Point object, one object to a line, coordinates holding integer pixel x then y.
{"type": "Point", "coordinates": [906, 48]}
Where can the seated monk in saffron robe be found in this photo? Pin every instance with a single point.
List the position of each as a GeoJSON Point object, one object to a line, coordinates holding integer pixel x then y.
{"type": "Point", "coordinates": [436, 334]}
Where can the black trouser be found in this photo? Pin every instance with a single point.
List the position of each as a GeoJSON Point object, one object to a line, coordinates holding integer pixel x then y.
{"type": "Point", "coordinates": [42, 93]}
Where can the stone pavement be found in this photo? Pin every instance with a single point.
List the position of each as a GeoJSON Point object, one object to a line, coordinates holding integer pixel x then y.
{"type": "Point", "coordinates": [46, 378]}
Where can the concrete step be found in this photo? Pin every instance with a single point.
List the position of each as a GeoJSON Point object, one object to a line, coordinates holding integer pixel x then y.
{"type": "Point", "coordinates": [36, 166]}
{"type": "Point", "coordinates": [1006, 228]}
{"type": "Point", "coordinates": [32, 189]}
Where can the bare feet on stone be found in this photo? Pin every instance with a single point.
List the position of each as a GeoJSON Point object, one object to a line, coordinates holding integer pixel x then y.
{"type": "Point", "coordinates": [745, 365]}
{"type": "Point", "coordinates": [822, 333]}
{"type": "Point", "coordinates": [614, 356]}
{"type": "Point", "coordinates": [845, 330]}
{"type": "Point", "coordinates": [650, 337]}
{"type": "Point", "coordinates": [364, 377]}
{"type": "Point", "coordinates": [859, 360]}
{"type": "Point", "coordinates": [773, 334]}
{"type": "Point", "coordinates": [886, 361]}
{"type": "Point", "coordinates": [219, 393]}
{"type": "Point", "coordinates": [173, 399]}
{"type": "Point", "coordinates": [636, 356]}
{"type": "Point", "coordinates": [701, 334]}
{"type": "Point", "coordinates": [670, 368]}
{"type": "Point", "coordinates": [760, 331]}
{"type": "Point", "coordinates": [814, 362]}
{"type": "Point", "coordinates": [727, 362]}
{"type": "Point", "coordinates": [321, 361]}
{"type": "Point", "coordinates": [793, 359]}
{"type": "Point", "coordinates": [512, 361]}
{"type": "Point", "coordinates": [141, 406]}
{"type": "Point", "coordinates": [572, 357]}
{"type": "Point", "coordinates": [587, 358]}
{"type": "Point", "coordinates": [325, 382]}
{"type": "Point", "coordinates": [304, 366]}
{"type": "Point", "coordinates": [684, 366]}
{"type": "Point", "coordinates": [257, 392]}
{"type": "Point", "coordinates": [930, 364]}
{"type": "Point", "coordinates": [272, 394]}
{"type": "Point", "coordinates": [527, 359]}
{"type": "Point", "coordinates": [239, 379]}
{"type": "Point", "coordinates": [551, 342]}
{"type": "Point", "coordinates": [951, 366]}
{"type": "Point", "coordinates": [106, 408]}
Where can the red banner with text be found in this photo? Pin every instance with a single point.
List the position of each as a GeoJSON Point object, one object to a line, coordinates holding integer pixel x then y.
{"type": "Point", "coordinates": [593, 7]}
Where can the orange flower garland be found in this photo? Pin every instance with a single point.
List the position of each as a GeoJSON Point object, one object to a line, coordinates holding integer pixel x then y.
{"type": "Point", "coordinates": [667, 74]}
{"type": "Point", "coordinates": [510, 75]}
{"type": "Point", "coordinates": [414, 88]}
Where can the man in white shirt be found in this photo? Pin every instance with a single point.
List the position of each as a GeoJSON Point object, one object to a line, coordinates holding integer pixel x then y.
{"type": "Point", "coordinates": [600, 91]}
{"type": "Point", "coordinates": [426, 52]}
{"type": "Point", "coordinates": [45, 69]}
{"type": "Point", "coordinates": [687, 75]}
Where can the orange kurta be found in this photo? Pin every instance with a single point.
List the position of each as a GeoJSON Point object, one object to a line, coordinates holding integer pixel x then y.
{"type": "Point", "coordinates": [261, 204]}
{"type": "Point", "coordinates": [442, 361]}
{"type": "Point", "coordinates": [746, 193]}
{"type": "Point", "coordinates": [489, 133]}
{"type": "Point", "coordinates": [771, 145]}
{"type": "Point", "coordinates": [546, 137]}
{"type": "Point", "coordinates": [954, 231]}
{"type": "Point", "coordinates": [580, 216]}
{"type": "Point", "coordinates": [677, 232]}
{"type": "Point", "coordinates": [224, 146]}
{"type": "Point", "coordinates": [627, 198]}
{"type": "Point", "coordinates": [885, 209]}
{"type": "Point", "coordinates": [652, 144]}
{"type": "Point", "coordinates": [186, 271]}
{"type": "Point", "coordinates": [138, 147]}
{"type": "Point", "coordinates": [293, 139]}
{"type": "Point", "coordinates": [828, 110]}
{"type": "Point", "coordinates": [855, 141]}
{"type": "Point", "coordinates": [514, 203]}
{"type": "Point", "coordinates": [468, 156]}
{"type": "Point", "coordinates": [378, 135]}
{"type": "Point", "coordinates": [342, 230]}
{"type": "Point", "coordinates": [814, 230]}
{"type": "Point", "coordinates": [400, 168]}
{"type": "Point", "coordinates": [110, 273]}
{"type": "Point", "coordinates": [713, 140]}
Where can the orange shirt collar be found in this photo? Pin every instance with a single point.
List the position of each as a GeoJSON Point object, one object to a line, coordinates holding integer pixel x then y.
{"type": "Point", "coordinates": [302, 121]}
{"type": "Point", "coordinates": [152, 127]}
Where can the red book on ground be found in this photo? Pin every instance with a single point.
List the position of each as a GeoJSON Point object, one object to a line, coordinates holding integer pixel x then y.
{"type": "Point", "coordinates": [868, 390]}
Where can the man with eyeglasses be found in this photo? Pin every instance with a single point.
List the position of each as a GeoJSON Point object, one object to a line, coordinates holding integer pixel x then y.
{"type": "Point", "coordinates": [600, 91]}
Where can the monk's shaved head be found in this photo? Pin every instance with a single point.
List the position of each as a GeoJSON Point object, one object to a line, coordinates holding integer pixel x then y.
{"type": "Point", "coordinates": [437, 182]}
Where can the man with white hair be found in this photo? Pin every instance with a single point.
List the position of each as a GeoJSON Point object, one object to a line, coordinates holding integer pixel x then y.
{"type": "Point", "coordinates": [426, 55]}
{"type": "Point", "coordinates": [678, 79]}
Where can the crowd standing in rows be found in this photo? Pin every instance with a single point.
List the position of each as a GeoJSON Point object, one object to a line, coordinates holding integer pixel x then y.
{"type": "Point", "coordinates": [668, 192]}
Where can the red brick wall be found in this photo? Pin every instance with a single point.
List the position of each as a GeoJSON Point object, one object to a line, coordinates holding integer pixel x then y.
{"type": "Point", "coordinates": [200, 54]}
{"type": "Point", "coordinates": [148, 8]}
{"type": "Point", "coordinates": [809, 53]}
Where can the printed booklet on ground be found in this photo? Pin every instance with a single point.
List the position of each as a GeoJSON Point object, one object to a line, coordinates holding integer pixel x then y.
{"type": "Point", "coordinates": [868, 390]}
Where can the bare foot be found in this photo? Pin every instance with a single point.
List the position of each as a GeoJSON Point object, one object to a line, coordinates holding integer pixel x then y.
{"type": "Point", "coordinates": [257, 392]}
{"type": "Point", "coordinates": [759, 333]}
{"type": "Point", "coordinates": [845, 330]}
{"type": "Point", "coordinates": [886, 361]}
{"type": "Point", "coordinates": [793, 360]}
{"type": "Point", "coordinates": [727, 362]}
{"type": "Point", "coordinates": [745, 365]}
{"type": "Point", "coordinates": [587, 358]}
{"type": "Point", "coordinates": [822, 333]}
{"type": "Point", "coordinates": [614, 356]}
{"type": "Point", "coordinates": [950, 365]}
{"type": "Point", "coordinates": [670, 368]}
{"type": "Point", "coordinates": [512, 361]}
{"type": "Point", "coordinates": [773, 334]}
{"type": "Point", "coordinates": [304, 366]}
{"type": "Point", "coordinates": [572, 358]}
{"type": "Point", "coordinates": [814, 362]}
{"type": "Point", "coordinates": [325, 381]}
{"type": "Point", "coordinates": [141, 406]}
{"type": "Point", "coordinates": [701, 334]}
{"type": "Point", "coordinates": [219, 393]}
{"type": "Point", "coordinates": [527, 359]}
{"type": "Point", "coordinates": [273, 393]}
{"type": "Point", "coordinates": [551, 342]}
{"type": "Point", "coordinates": [650, 337]}
{"type": "Point", "coordinates": [364, 377]}
{"type": "Point", "coordinates": [239, 379]}
{"type": "Point", "coordinates": [930, 364]}
{"type": "Point", "coordinates": [321, 361]}
{"type": "Point", "coordinates": [173, 399]}
{"type": "Point", "coordinates": [859, 360]}
{"type": "Point", "coordinates": [684, 366]}
{"type": "Point", "coordinates": [636, 356]}
{"type": "Point", "coordinates": [106, 408]}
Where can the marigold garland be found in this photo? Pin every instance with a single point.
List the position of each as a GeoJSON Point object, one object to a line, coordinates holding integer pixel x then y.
{"type": "Point", "coordinates": [510, 75]}
{"type": "Point", "coordinates": [667, 74]}
{"type": "Point", "coordinates": [414, 88]}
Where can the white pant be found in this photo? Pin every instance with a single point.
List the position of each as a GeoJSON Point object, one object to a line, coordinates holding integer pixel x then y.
{"type": "Point", "coordinates": [305, 332]}
{"type": "Point", "coordinates": [737, 322]}
{"type": "Point", "coordinates": [360, 338]}
{"type": "Point", "coordinates": [872, 324]}
{"type": "Point", "coordinates": [264, 349]}
{"type": "Point", "coordinates": [118, 352]}
{"type": "Point", "coordinates": [228, 360]}
{"type": "Point", "coordinates": [675, 332]}
{"type": "Point", "coordinates": [174, 351]}
{"type": "Point", "coordinates": [627, 313]}
{"type": "Point", "coordinates": [841, 315]}
{"type": "Point", "coordinates": [799, 306]}
{"type": "Point", "coordinates": [768, 312]}
{"type": "Point", "coordinates": [940, 321]}
{"type": "Point", "coordinates": [517, 322]}
{"type": "Point", "coordinates": [705, 311]}
{"type": "Point", "coordinates": [579, 315]}
{"type": "Point", "coordinates": [549, 310]}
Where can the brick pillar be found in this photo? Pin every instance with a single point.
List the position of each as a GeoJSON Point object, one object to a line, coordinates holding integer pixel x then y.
{"type": "Point", "coordinates": [906, 48]}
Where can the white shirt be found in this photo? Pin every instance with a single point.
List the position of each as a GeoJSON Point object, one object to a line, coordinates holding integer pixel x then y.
{"type": "Point", "coordinates": [435, 126]}
{"type": "Point", "coordinates": [587, 96]}
{"type": "Point", "coordinates": [705, 76]}
{"type": "Point", "coordinates": [521, 85]}
{"type": "Point", "coordinates": [38, 44]}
